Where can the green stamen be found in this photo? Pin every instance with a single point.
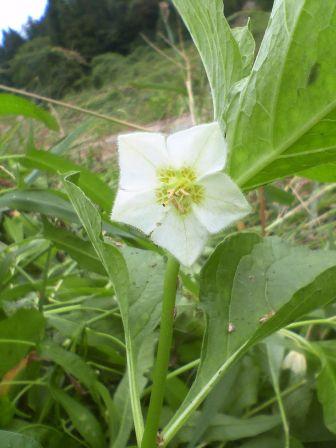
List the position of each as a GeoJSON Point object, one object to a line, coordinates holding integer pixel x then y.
{"type": "Point", "coordinates": [178, 187]}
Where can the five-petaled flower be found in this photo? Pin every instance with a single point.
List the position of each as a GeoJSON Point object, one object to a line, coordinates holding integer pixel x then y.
{"type": "Point", "coordinates": [173, 188]}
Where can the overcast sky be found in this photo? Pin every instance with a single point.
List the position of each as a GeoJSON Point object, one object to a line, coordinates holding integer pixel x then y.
{"type": "Point", "coordinates": [14, 13]}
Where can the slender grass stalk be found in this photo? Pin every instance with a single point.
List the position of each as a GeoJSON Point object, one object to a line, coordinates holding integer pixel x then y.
{"type": "Point", "coordinates": [17, 341]}
{"type": "Point", "coordinates": [73, 107]}
{"type": "Point", "coordinates": [273, 400]}
{"type": "Point", "coordinates": [163, 354]}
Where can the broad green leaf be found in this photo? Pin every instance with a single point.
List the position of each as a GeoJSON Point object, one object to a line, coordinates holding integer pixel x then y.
{"type": "Point", "coordinates": [217, 46]}
{"type": "Point", "coordinates": [227, 428]}
{"type": "Point", "coordinates": [321, 173]}
{"type": "Point", "coordinates": [82, 419]}
{"type": "Point", "coordinates": [211, 407]}
{"type": "Point", "coordinates": [138, 286]}
{"type": "Point", "coordinates": [146, 274]}
{"type": "Point", "coordinates": [97, 190]}
{"type": "Point", "coordinates": [250, 289]}
{"type": "Point", "coordinates": [14, 440]}
{"type": "Point", "coordinates": [281, 119]}
{"type": "Point", "coordinates": [326, 387]}
{"type": "Point", "coordinates": [15, 105]}
{"type": "Point", "coordinates": [79, 249]}
{"type": "Point", "coordinates": [19, 335]}
{"type": "Point", "coordinates": [175, 392]}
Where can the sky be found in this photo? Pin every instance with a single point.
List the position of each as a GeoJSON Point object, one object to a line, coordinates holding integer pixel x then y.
{"type": "Point", "coordinates": [14, 13]}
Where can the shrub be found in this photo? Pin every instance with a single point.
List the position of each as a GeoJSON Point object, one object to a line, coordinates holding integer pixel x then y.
{"type": "Point", "coordinates": [52, 71]}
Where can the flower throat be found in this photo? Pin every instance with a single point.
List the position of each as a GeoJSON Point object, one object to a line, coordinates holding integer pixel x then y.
{"type": "Point", "coordinates": [178, 187]}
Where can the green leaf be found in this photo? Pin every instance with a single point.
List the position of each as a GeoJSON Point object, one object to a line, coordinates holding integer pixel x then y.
{"type": "Point", "coordinates": [278, 195]}
{"type": "Point", "coordinates": [46, 202]}
{"type": "Point", "coordinates": [79, 249]}
{"type": "Point", "coordinates": [226, 428]}
{"type": "Point", "coordinates": [217, 46]}
{"type": "Point", "coordinates": [321, 173]}
{"type": "Point", "coordinates": [48, 436]}
{"type": "Point", "coordinates": [97, 190]}
{"type": "Point", "coordinates": [7, 411]}
{"type": "Point", "coordinates": [18, 335]}
{"type": "Point", "coordinates": [14, 228]}
{"type": "Point", "coordinates": [146, 273]}
{"type": "Point", "coordinates": [281, 119]}
{"type": "Point", "coordinates": [243, 284]}
{"type": "Point", "coordinates": [62, 146]}
{"type": "Point", "coordinates": [269, 442]}
{"type": "Point", "coordinates": [52, 203]}
{"type": "Point", "coordinates": [15, 105]}
{"type": "Point", "coordinates": [246, 45]}
{"type": "Point", "coordinates": [326, 388]}
{"type": "Point", "coordinates": [139, 298]}
{"type": "Point", "coordinates": [226, 396]}
{"type": "Point", "coordinates": [72, 363]}
{"type": "Point", "coordinates": [14, 440]}
{"type": "Point", "coordinates": [82, 419]}
{"type": "Point", "coordinates": [22, 253]}
{"type": "Point", "coordinates": [275, 351]}
{"type": "Point", "coordinates": [263, 442]}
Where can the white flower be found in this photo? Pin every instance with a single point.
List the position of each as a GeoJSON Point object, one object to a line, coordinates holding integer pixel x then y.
{"type": "Point", "coordinates": [173, 188]}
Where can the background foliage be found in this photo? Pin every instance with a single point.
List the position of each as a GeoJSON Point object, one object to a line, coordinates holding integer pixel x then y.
{"type": "Point", "coordinates": [55, 53]}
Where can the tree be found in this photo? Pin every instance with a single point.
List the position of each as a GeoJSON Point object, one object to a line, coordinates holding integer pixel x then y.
{"type": "Point", "coordinates": [12, 41]}
{"type": "Point", "coordinates": [50, 70]}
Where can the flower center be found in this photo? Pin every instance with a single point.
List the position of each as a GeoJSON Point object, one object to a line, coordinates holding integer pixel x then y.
{"type": "Point", "coordinates": [178, 187]}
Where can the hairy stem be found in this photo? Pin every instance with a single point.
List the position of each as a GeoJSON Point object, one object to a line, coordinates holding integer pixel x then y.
{"type": "Point", "coordinates": [163, 353]}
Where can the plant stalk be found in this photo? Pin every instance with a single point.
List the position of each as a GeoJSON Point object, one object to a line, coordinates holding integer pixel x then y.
{"type": "Point", "coordinates": [163, 354]}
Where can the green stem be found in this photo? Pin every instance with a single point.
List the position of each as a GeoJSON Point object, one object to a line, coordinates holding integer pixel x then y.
{"type": "Point", "coordinates": [163, 354]}
{"type": "Point", "coordinates": [273, 400]}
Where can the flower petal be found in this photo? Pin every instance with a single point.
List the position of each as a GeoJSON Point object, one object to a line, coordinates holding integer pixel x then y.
{"type": "Point", "coordinates": [140, 155]}
{"type": "Point", "coordinates": [183, 236]}
{"type": "Point", "coordinates": [201, 147]}
{"type": "Point", "coordinates": [223, 204]}
{"type": "Point", "coordinates": [139, 209]}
